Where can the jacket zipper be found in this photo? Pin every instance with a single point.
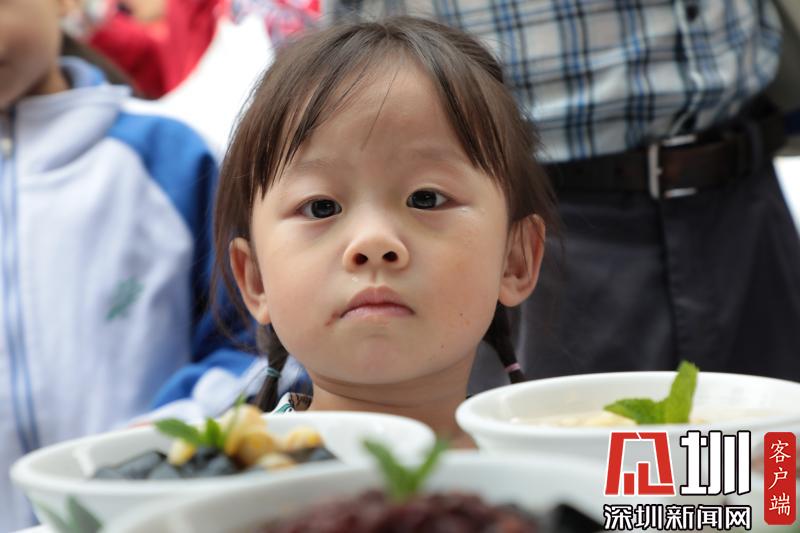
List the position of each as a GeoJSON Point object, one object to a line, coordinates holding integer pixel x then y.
{"type": "Point", "coordinates": [21, 398]}
{"type": "Point", "coordinates": [6, 141]}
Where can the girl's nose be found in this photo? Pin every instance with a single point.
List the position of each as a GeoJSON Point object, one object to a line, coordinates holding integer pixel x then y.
{"type": "Point", "coordinates": [376, 247]}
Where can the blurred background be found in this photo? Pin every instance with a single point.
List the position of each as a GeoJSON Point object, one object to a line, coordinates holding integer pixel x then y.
{"type": "Point", "coordinates": [197, 60]}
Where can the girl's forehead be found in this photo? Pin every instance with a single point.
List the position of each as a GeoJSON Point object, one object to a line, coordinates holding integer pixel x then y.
{"type": "Point", "coordinates": [393, 120]}
{"type": "Point", "coordinates": [388, 108]}
{"type": "Point", "coordinates": [398, 103]}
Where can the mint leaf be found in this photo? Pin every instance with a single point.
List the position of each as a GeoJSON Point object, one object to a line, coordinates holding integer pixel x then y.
{"type": "Point", "coordinates": [213, 435]}
{"type": "Point", "coordinates": [240, 399]}
{"type": "Point", "coordinates": [402, 482]}
{"type": "Point", "coordinates": [678, 404]}
{"type": "Point", "coordinates": [425, 469]}
{"type": "Point", "coordinates": [674, 409]}
{"type": "Point", "coordinates": [179, 429]}
{"type": "Point", "coordinates": [397, 478]}
{"type": "Point", "coordinates": [640, 410]}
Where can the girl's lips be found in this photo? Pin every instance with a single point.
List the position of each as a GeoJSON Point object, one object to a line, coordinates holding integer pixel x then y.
{"type": "Point", "coordinates": [376, 302]}
{"type": "Point", "coordinates": [382, 310]}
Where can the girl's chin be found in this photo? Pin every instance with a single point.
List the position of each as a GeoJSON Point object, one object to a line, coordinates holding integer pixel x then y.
{"type": "Point", "coordinates": [371, 378]}
{"type": "Point", "coordinates": [387, 367]}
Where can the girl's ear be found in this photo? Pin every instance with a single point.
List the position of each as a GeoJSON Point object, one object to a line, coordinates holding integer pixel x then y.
{"type": "Point", "coordinates": [525, 249]}
{"type": "Point", "coordinates": [248, 279]}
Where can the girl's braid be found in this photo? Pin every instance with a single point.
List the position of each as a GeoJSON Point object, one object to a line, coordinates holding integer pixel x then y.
{"type": "Point", "coordinates": [268, 343]}
{"type": "Point", "coordinates": [499, 337]}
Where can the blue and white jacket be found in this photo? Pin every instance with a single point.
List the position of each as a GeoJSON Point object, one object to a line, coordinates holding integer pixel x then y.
{"type": "Point", "coordinates": [105, 255]}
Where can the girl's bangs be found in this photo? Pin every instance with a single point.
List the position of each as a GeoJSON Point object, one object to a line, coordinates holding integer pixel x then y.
{"type": "Point", "coordinates": [466, 94]}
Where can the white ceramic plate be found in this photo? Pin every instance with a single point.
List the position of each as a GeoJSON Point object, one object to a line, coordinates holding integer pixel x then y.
{"type": "Point", "coordinates": [55, 478]}
{"type": "Point", "coordinates": [534, 483]}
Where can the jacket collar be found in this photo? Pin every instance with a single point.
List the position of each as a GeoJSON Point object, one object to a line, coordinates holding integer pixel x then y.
{"type": "Point", "coordinates": [53, 130]}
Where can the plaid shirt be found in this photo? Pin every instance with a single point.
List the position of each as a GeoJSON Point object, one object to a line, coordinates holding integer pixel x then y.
{"type": "Point", "coordinates": [604, 76]}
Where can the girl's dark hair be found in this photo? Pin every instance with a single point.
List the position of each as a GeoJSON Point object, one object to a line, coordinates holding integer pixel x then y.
{"type": "Point", "coordinates": [313, 77]}
{"type": "Point", "coordinates": [267, 342]}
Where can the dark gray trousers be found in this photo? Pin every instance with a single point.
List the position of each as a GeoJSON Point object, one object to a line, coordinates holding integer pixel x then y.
{"type": "Point", "coordinates": [713, 278]}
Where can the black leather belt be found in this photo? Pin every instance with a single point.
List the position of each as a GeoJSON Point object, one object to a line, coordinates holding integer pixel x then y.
{"type": "Point", "coordinates": [681, 165]}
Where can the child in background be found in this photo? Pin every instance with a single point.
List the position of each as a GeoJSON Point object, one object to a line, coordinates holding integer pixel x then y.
{"type": "Point", "coordinates": [104, 249]}
{"type": "Point", "coordinates": [382, 206]}
{"type": "Point", "coordinates": [157, 42]}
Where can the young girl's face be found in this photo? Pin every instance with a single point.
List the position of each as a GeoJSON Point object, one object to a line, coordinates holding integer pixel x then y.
{"type": "Point", "coordinates": [381, 251]}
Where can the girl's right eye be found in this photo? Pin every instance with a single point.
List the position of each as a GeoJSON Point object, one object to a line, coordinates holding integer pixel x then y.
{"type": "Point", "coordinates": [321, 208]}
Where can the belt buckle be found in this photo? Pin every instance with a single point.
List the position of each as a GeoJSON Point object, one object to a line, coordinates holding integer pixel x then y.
{"type": "Point", "coordinates": [654, 169]}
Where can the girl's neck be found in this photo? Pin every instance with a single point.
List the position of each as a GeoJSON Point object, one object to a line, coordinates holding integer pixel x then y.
{"type": "Point", "coordinates": [54, 81]}
{"type": "Point", "coordinates": [432, 405]}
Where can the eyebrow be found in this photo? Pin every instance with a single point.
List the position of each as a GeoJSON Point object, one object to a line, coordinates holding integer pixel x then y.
{"type": "Point", "coordinates": [431, 153]}
{"type": "Point", "coordinates": [435, 154]}
{"type": "Point", "coordinates": [438, 154]}
{"type": "Point", "coordinates": [317, 163]}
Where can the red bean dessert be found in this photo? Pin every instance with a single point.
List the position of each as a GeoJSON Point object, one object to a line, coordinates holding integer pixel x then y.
{"type": "Point", "coordinates": [373, 512]}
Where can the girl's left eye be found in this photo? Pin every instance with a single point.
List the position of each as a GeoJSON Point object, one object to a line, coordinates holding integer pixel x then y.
{"type": "Point", "coordinates": [425, 199]}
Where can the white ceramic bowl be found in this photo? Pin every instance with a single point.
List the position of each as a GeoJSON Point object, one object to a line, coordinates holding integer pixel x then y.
{"type": "Point", "coordinates": [55, 478]}
{"type": "Point", "coordinates": [728, 402]}
{"type": "Point", "coordinates": [533, 483]}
